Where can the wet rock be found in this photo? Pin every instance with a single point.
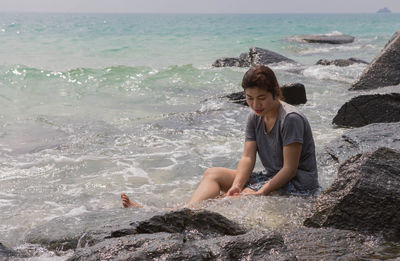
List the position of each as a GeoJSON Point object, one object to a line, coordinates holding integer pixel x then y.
{"type": "Point", "coordinates": [315, 244]}
{"type": "Point", "coordinates": [6, 252]}
{"type": "Point", "coordinates": [340, 62]}
{"type": "Point", "coordinates": [254, 245]}
{"type": "Point", "coordinates": [237, 97]}
{"type": "Point", "coordinates": [253, 57]}
{"type": "Point", "coordinates": [364, 197]}
{"type": "Point", "coordinates": [325, 39]}
{"type": "Point", "coordinates": [293, 94]}
{"type": "Point", "coordinates": [205, 222]}
{"type": "Point", "coordinates": [366, 109]}
{"type": "Point", "coordinates": [364, 139]}
{"type": "Point", "coordinates": [384, 70]}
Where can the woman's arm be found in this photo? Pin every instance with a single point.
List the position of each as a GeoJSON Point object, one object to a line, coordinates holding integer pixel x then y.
{"type": "Point", "coordinates": [291, 157]}
{"type": "Point", "coordinates": [245, 167]}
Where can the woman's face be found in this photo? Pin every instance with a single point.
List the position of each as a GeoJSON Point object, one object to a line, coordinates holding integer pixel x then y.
{"type": "Point", "coordinates": [260, 100]}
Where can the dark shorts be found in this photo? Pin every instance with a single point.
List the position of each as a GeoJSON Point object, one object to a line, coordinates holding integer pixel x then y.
{"type": "Point", "coordinates": [258, 179]}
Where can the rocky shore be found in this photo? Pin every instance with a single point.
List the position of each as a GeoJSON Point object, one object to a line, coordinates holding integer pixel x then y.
{"type": "Point", "coordinates": [359, 210]}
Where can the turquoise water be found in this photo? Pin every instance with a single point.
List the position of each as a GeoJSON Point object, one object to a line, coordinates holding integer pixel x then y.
{"type": "Point", "coordinates": [93, 105]}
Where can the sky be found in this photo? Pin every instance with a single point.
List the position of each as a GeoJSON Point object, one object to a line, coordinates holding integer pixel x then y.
{"type": "Point", "coordinates": [199, 6]}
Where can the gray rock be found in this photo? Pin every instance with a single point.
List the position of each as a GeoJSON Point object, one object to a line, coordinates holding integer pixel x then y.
{"type": "Point", "coordinates": [294, 94]}
{"type": "Point", "coordinates": [6, 252]}
{"type": "Point", "coordinates": [186, 235]}
{"type": "Point", "coordinates": [254, 245]}
{"type": "Point", "coordinates": [325, 39]}
{"type": "Point", "coordinates": [265, 57]}
{"type": "Point", "coordinates": [364, 197]}
{"type": "Point", "coordinates": [315, 244]}
{"type": "Point", "coordinates": [364, 139]}
{"type": "Point", "coordinates": [384, 70]}
{"type": "Point", "coordinates": [366, 109]}
{"type": "Point", "coordinates": [340, 62]}
{"type": "Point", "coordinates": [253, 57]}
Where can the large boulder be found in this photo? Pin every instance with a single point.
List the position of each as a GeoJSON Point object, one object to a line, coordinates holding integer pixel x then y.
{"type": "Point", "coordinates": [364, 139]}
{"type": "Point", "coordinates": [191, 245]}
{"type": "Point", "coordinates": [325, 38]}
{"type": "Point", "coordinates": [366, 109]}
{"type": "Point", "coordinates": [340, 62]}
{"type": "Point", "coordinates": [364, 197]}
{"type": "Point", "coordinates": [253, 57]}
{"type": "Point", "coordinates": [294, 94]}
{"type": "Point", "coordinates": [146, 234]}
{"type": "Point", "coordinates": [384, 70]}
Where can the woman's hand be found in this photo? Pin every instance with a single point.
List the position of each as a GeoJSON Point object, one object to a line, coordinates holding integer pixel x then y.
{"type": "Point", "coordinates": [234, 191]}
{"type": "Point", "coordinates": [250, 192]}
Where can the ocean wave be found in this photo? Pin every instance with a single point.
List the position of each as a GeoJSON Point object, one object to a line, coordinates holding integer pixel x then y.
{"type": "Point", "coordinates": [346, 74]}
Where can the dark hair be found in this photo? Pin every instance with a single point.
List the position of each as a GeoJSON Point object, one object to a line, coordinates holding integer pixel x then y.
{"type": "Point", "coordinates": [263, 77]}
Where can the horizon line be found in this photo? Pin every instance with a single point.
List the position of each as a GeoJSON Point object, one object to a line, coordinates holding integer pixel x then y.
{"type": "Point", "coordinates": [188, 13]}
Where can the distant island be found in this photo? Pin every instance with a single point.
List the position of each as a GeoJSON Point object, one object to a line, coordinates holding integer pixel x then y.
{"type": "Point", "coordinates": [384, 11]}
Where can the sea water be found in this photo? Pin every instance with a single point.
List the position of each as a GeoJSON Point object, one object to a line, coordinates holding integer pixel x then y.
{"type": "Point", "coordinates": [93, 105]}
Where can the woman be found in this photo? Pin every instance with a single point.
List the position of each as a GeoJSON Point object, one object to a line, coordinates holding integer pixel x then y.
{"type": "Point", "coordinates": [281, 136]}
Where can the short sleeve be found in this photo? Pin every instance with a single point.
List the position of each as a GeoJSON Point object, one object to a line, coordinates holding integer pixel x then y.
{"type": "Point", "coordinates": [250, 127]}
{"type": "Point", "coordinates": [293, 129]}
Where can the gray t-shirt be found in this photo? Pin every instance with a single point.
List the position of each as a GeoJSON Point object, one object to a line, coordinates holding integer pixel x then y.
{"type": "Point", "coordinates": [290, 126]}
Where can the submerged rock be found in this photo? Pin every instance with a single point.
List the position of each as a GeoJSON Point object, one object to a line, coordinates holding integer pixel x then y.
{"type": "Point", "coordinates": [325, 38]}
{"type": "Point", "coordinates": [364, 197]}
{"type": "Point", "coordinates": [384, 70]}
{"type": "Point", "coordinates": [366, 109]}
{"type": "Point", "coordinates": [253, 57]}
{"type": "Point", "coordinates": [364, 139]}
{"type": "Point", "coordinates": [293, 94]}
{"type": "Point", "coordinates": [340, 62]}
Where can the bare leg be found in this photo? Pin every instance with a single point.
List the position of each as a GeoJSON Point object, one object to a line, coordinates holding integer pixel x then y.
{"type": "Point", "coordinates": [127, 203]}
{"type": "Point", "coordinates": [214, 180]}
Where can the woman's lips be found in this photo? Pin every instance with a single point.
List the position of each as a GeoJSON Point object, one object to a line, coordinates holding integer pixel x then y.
{"type": "Point", "coordinates": [259, 111]}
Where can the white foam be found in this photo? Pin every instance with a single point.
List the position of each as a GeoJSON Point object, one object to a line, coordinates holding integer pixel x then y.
{"type": "Point", "coordinates": [76, 211]}
{"type": "Point", "coordinates": [346, 74]}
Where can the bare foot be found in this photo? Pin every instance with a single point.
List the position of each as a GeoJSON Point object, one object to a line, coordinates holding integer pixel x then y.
{"type": "Point", "coordinates": [127, 203]}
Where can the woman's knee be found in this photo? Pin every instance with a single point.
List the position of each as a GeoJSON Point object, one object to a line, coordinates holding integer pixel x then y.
{"type": "Point", "coordinates": [212, 173]}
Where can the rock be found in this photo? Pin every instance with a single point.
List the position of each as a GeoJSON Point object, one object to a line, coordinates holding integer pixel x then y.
{"type": "Point", "coordinates": [384, 70]}
{"type": "Point", "coordinates": [186, 235]}
{"type": "Point", "coordinates": [229, 62]}
{"type": "Point", "coordinates": [340, 62]}
{"type": "Point", "coordinates": [366, 109]}
{"type": "Point", "coordinates": [253, 57]}
{"type": "Point", "coordinates": [364, 197]}
{"type": "Point", "coordinates": [265, 57]}
{"type": "Point", "coordinates": [237, 97]}
{"type": "Point", "coordinates": [325, 39]}
{"type": "Point", "coordinates": [254, 245]}
{"type": "Point", "coordinates": [364, 139]}
{"type": "Point", "coordinates": [328, 244]}
{"type": "Point", "coordinates": [205, 222]}
{"type": "Point", "coordinates": [5, 252]}
{"type": "Point", "coordinates": [294, 94]}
